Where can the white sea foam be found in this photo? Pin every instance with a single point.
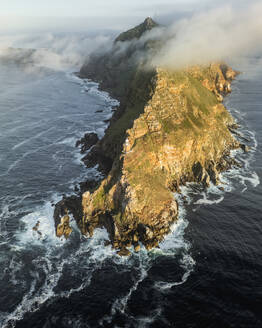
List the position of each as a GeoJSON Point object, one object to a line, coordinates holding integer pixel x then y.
{"type": "Point", "coordinates": [188, 264]}
{"type": "Point", "coordinates": [93, 89]}
{"type": "Point", "coordinates": [173, 244]}
{"type": "Point", "coordinates": [244, 176]}
{"type": "Point", "coordinates": [90, 256]}
{"type": "Point", "coordinates": [174, 241]}
{"type": "Point", "coordinates": [207, 201]}
{"type": "Point", "coordinates": [121, 303]}
{"type": "Point", "coordinates": [35, 297]}
{"type": "Point", "coordinates": [43, 215]}
{"type": "Point", "coordinates": [253, 179]}
{"type": "Point", "coordinates": [71, 141]}
{"type": "Point", "coordinates": [11, 207]}
{"type": "Point", "coordinates": [31, 138]}
{"type": "Point", "coordinates": [143, 322]}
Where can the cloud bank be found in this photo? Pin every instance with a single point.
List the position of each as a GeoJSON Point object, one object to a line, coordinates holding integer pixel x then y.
{"type": "Point", "coordinates": [210, 33]}
{"type": "Point", "coordinates": [53, 51]}
{"type": "Point", "coordinates": [215, 35]}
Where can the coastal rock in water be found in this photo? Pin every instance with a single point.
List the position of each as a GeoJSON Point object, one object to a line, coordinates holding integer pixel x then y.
{"type": "Point", "coordinates": [63, 228]}
{"type": "Point", "coordinates": [200, 174]}
{"type": "Point", "coordinates": [98, 156]}
{"type": "Point", "coordinates": [36, 228]}
{"type": "Point", "coordinates": [89, 140]}
{"type": "Point", "coordinates": [67, 205]}
{"type": "Point", "coordinates": [137, 248]}
{"type": "Point", "coordinates": [124, 252]}
{"type": "Point", "coordinates": [245, 148]}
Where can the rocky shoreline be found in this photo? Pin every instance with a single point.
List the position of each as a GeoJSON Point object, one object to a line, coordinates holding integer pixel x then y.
{"type": "Point", "coordinates": [170, 128]}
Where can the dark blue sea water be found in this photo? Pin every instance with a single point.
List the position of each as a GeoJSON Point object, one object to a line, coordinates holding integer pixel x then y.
{"type": "Point", "coordinates": [207, 272]}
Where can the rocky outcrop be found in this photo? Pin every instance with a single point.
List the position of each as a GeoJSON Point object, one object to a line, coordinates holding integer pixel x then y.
{"type": "Point", "coordinates": [89, 140]}
{"type": "Point", "coordinates": [182, 135]}
{"type": "Point", "coordinates": [171, 128]}
{"type": "Point", "coordinates": [63, 228]}
{"type": "Point", "coordinates": [67, 205]}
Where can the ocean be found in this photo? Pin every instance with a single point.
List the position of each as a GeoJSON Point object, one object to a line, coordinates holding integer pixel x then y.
{"type": "Point", "coordinates": [206, 273]}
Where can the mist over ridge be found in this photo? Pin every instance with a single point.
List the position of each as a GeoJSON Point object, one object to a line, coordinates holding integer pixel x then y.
{"type": "Point", "coordinates": [214, 35]}
{"type": "Point", "coordinates": [190, 35]}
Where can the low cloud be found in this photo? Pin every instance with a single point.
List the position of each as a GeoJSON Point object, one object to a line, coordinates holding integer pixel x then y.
{"type": "Point", "coordinates": [218, 34]}
{"type": "Point", "coordinates": [57, 52]}
{"type": "Point", "coordinates": [212, 33]}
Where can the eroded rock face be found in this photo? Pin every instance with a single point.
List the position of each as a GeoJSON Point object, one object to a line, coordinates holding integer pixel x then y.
{"type": "Point", "coordinates": [63, 228]}
{"type": "Point", "coordinates": [67, 205]}
{"type": "Point", "coordinates": [216, 78]}
{"type": "Point", "coordinates": [181, 136]}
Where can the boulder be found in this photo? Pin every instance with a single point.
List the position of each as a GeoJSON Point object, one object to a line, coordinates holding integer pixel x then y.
{"type": "Point", "coordinates": [124, 252]}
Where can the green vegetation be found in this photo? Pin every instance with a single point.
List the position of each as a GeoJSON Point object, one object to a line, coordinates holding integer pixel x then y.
{"type": "Point", "coordinates": [100, 198]}
{"type": "Point", "coordinates": [199, 96]}
{"type": "Point", "coordinates": [167, 125]}
{"type": "Point", "coordinates": [140, 93]}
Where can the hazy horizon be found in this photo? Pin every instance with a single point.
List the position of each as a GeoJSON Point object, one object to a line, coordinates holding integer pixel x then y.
{"type": "Point", "coordinates": [198, 31]}
{"type": "Point", "coordinates": [78, 16]}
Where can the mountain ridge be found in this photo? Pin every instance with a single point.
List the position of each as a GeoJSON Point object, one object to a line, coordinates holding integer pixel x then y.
{"type": "Point", "coordinates": [137, 31]}
{"type": "Point", "coordinates": [170, 128]}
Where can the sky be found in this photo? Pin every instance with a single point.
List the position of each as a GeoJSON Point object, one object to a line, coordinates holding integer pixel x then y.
{"type": "Point", "coordinates": [79, 15]}
{"type": "Point", "coordinates": [75, 8]}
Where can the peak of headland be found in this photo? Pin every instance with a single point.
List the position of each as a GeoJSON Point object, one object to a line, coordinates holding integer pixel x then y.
{"type": "Point", "coordinates": [137, 31]}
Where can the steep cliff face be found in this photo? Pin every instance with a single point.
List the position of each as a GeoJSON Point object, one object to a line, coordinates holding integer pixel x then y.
{"type": "Point", "coordinates": [181, 135]}
{"type": "Point", "coordinates": [170, 128]}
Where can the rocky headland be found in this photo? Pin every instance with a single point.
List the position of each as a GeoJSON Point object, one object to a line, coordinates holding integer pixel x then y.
{"type": "Point", "coordinates": [171, 128]}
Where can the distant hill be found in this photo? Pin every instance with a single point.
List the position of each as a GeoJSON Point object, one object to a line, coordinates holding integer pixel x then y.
{"type": "Point", "coordinates": [137, 31]}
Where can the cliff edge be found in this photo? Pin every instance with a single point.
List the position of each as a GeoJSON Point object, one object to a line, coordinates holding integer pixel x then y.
{"type": "Point", "coordinates": [170, 128]}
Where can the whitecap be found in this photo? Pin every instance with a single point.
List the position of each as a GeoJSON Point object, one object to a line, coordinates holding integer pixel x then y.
{"type": "Point", "coordinates": [33, 299]}
{"type": "Point", "coordinates": [188, 264]}
{"type": "Point", "coordinates": [207, 201]}
{"type": "Point", "coordinates": [26, 236]}
{"type": "Point", "coordinates": [71, 141]}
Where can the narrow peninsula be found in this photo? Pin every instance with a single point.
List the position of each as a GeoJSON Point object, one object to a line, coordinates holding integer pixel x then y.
{"type": "Point", "coordinates": [171, 128]}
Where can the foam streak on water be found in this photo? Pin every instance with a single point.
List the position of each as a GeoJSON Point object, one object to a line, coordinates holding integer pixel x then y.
{"type": "Point", "coordinates": [19, 214]}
